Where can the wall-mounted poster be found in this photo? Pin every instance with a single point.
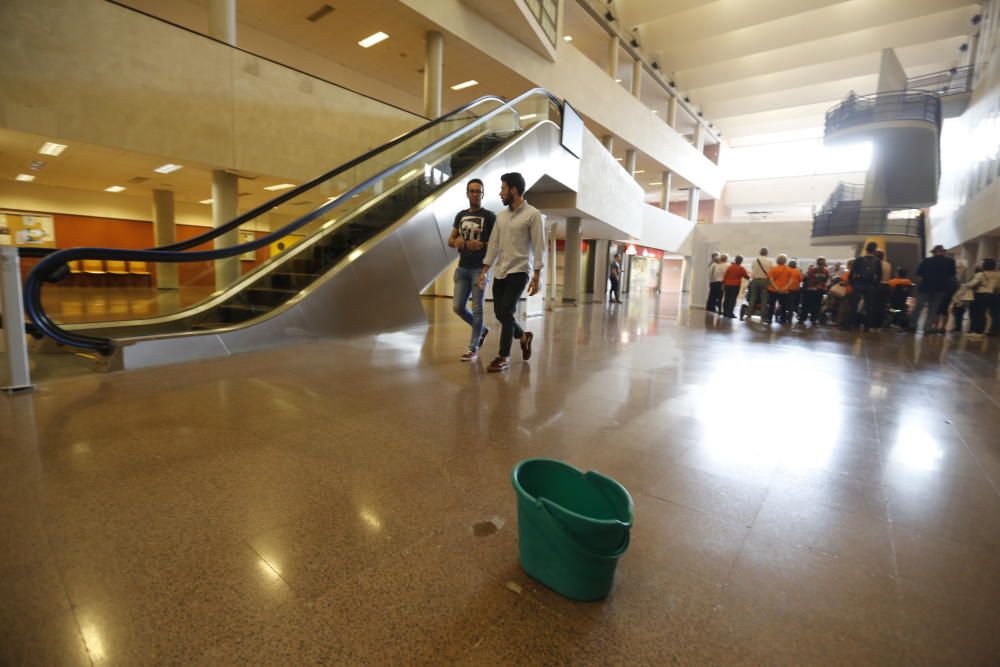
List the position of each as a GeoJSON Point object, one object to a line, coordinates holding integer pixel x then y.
{"type": "Point", "coordinates": [26, 229]}
{"type": "Point", "coordinates": [247, 237]}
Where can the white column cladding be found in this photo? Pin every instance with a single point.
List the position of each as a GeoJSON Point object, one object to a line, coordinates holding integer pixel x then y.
{"type": "Point", "coordinates": [222, 20]}
{"type": "Point", "coordinates": [601, 250]}
{"type": "Point", "coordinates": [630, 162]}
{"type": "Point", "coordinates": [672, 112]}
{"type": "Point", "coordinates": [225, 192]}
{"type": "Point", "coordinates": [433, 66]}
{"type": "Point", "coordinates": [694, 196]}
{"type": "Point", "coordinates": [164, 233]}
{"type": "Point", "coordinates": [572, 256]}
{"type": "Point", "coordinates": [636, 77]}
{"type": "Point", "coordinates": [614, 48]}
{"type": "Point", "coordinates": [987, 248]}
{"type": "Point", "coordinates": [665, 185]}
{"type": "Point", "coordinates": [699, 137]}
{"type": "Point", "coordinates": [550, 268]}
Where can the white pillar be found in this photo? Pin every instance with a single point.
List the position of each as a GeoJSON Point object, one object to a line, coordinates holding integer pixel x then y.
{"type": "Point", "coordinates": [433, 65]}
{"type": "Point", "coordinates": [630, 162]}
{"type": "Point", "coordinates": [225, 192]}
{"type": "Point", "coordinates": [609, 142]}
{"type": "Point", "coordinates": [601, 251]}
{"type": "Point", "coordinates": [636, 77]}
{"type": "Point", "coordinates": [672, 112]}
{"type": "Point", "coordinates": [164, 233]}
{"type": "Point", "coordinates": [222, 20]}
{"type": "Point", "coordinates": [694, 196]}
{"type": "Point", "coordinates": [699, 137]}
{"type": "Point", "coordinates": [551, 266]}
{"type": "Point", "coordinates": [666, 180]}
{"type": "Point", "coordinates": [987, 248]}
{"type": "Point", "coordinates": [571, 262]}
{"type": "Point", "coordinates": [18, 375]}
{"type": "Point", "coordinates": [614, 48]}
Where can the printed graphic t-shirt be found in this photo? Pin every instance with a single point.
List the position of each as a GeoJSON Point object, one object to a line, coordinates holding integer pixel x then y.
{"type": "Point", "coordinates": [474, 226]}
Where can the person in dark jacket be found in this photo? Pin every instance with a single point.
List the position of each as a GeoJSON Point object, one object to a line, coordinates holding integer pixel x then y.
{"type": "Point", "coordinates": [937, 277]}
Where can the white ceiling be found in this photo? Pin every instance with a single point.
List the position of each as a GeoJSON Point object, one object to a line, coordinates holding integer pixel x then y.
{"type": "Point", "coordinates": [764, 66]}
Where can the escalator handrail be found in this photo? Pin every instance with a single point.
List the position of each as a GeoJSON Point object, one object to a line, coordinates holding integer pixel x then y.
{"type": "Point", "coordinates": [51, 263]}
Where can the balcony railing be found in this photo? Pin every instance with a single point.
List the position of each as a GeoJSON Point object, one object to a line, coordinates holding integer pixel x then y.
{"type": "Point", "coordinates": [844, 192]}
{"type": "Point", "coordinates": [868, 222]}
{"type": "Point", "coordinates": [882, 107]}
{"type": "Point", "coordinates": [954, 81]}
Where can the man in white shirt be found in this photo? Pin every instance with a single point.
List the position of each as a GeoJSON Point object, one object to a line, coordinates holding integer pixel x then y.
{"type": "Point", "coordinates": [716, 274]}
{"type": "Point", "coordinates": [516, 248]}
{"type": "Point", "coordinates": [759, 281]}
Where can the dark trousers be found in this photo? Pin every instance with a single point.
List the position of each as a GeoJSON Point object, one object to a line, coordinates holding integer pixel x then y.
{"type": "Point", "coordinates": [995, 314]}
{"type": "Point", "coordinates": [979, 308]}
{"type": "Point", "coordinates": [615, 295]}
{"type": "Point", "coordinates": [729, 301]}
{"type": "Point", "coordinates": [879, 306]}
{"type": "Point", "coordinates": [812, 302]}
{"type": "Point", "coordinates": [506, 293]}
{"type": "Point", "coordinates": [864, 293]}
{"type": "Point", "coordinates": [714, 297]}
{"type": "Point", "coordinates": [958, 316]}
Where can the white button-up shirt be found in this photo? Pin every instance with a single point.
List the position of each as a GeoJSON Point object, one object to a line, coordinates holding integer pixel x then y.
{"type": "Point", "coordinates": [517, 244]}
{"type": "Point", "coordinates": [761, 267]}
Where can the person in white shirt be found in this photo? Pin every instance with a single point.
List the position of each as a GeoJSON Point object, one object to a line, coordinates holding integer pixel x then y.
{"type": "Point", "coordinates": [759, 281]}
{"type": "Point", "coordinates": [516, 248]}
{"type": "Point", "coordinates": [716, 274]}
{"type": "Point", "coordinates": [984, 286]}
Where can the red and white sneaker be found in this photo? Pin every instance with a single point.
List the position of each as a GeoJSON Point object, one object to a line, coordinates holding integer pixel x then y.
{"type": "Point", "coordinates": [470, 356]}
{"type": "Point", "coordinates": [497, 365]}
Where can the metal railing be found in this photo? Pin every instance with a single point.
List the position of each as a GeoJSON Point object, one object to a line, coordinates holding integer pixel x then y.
{"type": "Point", "coordinates": [917, 105]}
{"type": "Point", "coordinates": [954, 81]}
{"type": "Point", "coordinates": [867, 221]}
{"type": "Point", "coordinates": [844, 192]}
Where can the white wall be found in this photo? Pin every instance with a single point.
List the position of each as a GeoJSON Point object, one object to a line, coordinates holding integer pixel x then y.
{"type": "Point", "coordinates": [97, 73]}
{"type": "Point", "coordinates": [666, 231]}
{"type": "Point", "coordinates": [783, 192]}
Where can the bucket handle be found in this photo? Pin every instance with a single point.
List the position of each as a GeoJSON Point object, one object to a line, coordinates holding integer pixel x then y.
{"type": "Point", "coordinates": [544, 505]}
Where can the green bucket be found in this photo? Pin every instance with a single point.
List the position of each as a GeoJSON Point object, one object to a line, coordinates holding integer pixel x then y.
{"type": "Point", "coordinates": [572, 526]}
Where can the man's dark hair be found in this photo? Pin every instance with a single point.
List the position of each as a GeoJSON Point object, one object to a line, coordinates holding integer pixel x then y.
{"type": "Point", "coordinates": [738, 259]}
{"type": "Point", "coordinates": [989, 265]}
{"type": "Point", "coordinates": [474, 180]}
{"type": "Point", "coordinates": [514, 180]}
{"type": "Point", "coordinates": [618, 254]}
{"type": "Point", "coordinates": [871, 247]}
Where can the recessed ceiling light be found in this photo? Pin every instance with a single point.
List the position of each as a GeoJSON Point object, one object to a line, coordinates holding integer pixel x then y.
{"type": "Point", "coordinates": [657, 183]}
{"type": "Point", "coordinates": [24, 177]}
{"type": "Point", "coordinates": [529, 116]}
{"type": "Point", "coordinates": [618, 80]}
{"type": "Point", "coordinates": [49, 148]}
{"type": "Point", "coordinates": [205, 201]}
{"type": "Point", "coordinates": [114, 188]}
{"type": "Point", "coordinates": [568, 38]}
{"type": "Point", "coordinates": [619, 159]}
{"type": "Point", "coordinates": [280, 186]}
{"type": "Point", "coordinates": [37, 165]}
{"type": "Point", "coordinates": [639, 171]}
{"type": "Point", "coordinates": [465, 84]}
{"type": "Point", "coordinates": [168, 168]}
{"type": "Point", "coordinates": [654, 111]}
{"type": "Point", "coordinates": [372, 40]}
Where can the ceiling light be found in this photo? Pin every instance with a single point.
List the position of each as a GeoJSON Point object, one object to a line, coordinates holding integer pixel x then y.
{"type": "Point", "coordinates": [618, 80]}
{"type": "Point", "coordinates": [657, 183]}
{"type": "Point", "coordinates": [37, 165]}
{"type": "Point", "coordinates": [609, 16]}
{"type": "Point", "coordinates": [465, 84]}
{"type": "Point", "coordinates": [529, 116]}
{"type": "Point", "coordinates": [114, 188]}
{"type": "Point", "coordinates": [168, 168]}
{"type": "Point", "coordinates": [24, 177]}
{"type": "Point", "coordinates": [567, 38]}
{"type": "Point", "coordinates": [619, 159]}
{"type": "Point", "coordinates": [372, 40]}
{"type": "Point", "coordinates": [49, 148]}
{"type": "Point", "coordinates": [654, 111]}
{"type": "Point", "coordinates": [280, 186]}
{"type": "Point", "coordinates": [639, 171]}
{"type": "Point", "coordinates": [205, 201]}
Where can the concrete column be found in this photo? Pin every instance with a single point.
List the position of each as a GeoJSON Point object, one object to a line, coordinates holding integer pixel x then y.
{"type": "Point", "coordinates": [601, 251]}
{"type": "Point", "coordinates": [225, 192]}
{"type": "Point", "coordinates": [665, 187]}
{"type": "Point", "coordinates": [699, 137]}
{"type": "Point", "coordinates": [686, 274]}
{"type": "Point", "coordinates": [672, 112]}
{"type": "Point", "coordinates": [636, 77]}
{"type": "Point", "coordinates": [614, 48]}
{"type": "Point", "coordinates": [987, 248]}
{"type": "Point", "coordinates": [630, 162]}
{"type": "Point", "coordinates": [694, 197]}
{"type": "Point", "coordinates": [164, 233]}
{"type": "Point", "coordinates": [609, 142]}
{"type": "Point", "coordinates": [550, 265]}
{"type": "Point", "coordinates": [222, 20]}
{"type": "Point", "coordinates": [433, 65]}
{"type": "Point", "coordinates": [571, 262]}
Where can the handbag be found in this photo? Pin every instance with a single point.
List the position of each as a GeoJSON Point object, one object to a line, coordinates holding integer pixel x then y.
{"type": "Point", "coordinates": [838, 290]}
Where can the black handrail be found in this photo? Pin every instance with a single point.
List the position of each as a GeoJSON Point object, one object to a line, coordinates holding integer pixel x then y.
{"type": "Point", "coordinates": [889, 106]}
{"type": "Point", "coordinates": [867, 221]}
{"type": "Point", "coordinates": [844, 192]}
{"type": "Point", "coordinates": [954, 81]}
{"type": "Point", "coordinates": [52, 263]}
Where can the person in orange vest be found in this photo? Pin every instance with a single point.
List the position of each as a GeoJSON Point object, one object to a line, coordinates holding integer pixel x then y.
{"type": "Point", "coordinates": [778, 287]}
{"type": "Point", "coordinates": [791, 309]}
{"type": "Point", "coordinates": [731, 282]}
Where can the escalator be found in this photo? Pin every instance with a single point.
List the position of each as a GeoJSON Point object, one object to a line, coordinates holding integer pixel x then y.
{"type": "Point", "coordinates": [373, 235]}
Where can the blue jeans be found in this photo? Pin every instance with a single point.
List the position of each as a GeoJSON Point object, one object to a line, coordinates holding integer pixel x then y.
{"type": "Point", "coordinates": [930, 300]}
{"type": "Point", "coordinates": [466, 287]}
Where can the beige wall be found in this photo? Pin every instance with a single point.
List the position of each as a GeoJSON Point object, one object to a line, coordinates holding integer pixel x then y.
{"type": "Point", "coordinates": [90, 71]}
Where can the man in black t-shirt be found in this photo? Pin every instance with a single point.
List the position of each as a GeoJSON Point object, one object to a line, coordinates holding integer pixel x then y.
{"type": "Point", "coordinates": [470, 235]}
{"type": "Point", "coordinates": [615, 274]}
{"type": "Point", "coordinates": [937, 277]}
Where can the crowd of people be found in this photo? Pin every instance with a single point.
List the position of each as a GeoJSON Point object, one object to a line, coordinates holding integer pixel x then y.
{"type": "Point", "coordinates": [865, 292]}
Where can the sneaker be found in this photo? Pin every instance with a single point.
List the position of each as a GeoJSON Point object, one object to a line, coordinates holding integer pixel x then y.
{"type": "Point", "coordinates": [471, 355]}
{"type": "Point", "coordinates": [526, 345]}
{"type": "Point", "coordinates": [974, 336]}
{"type": "Point", "coordinates": [497, 365]}
{"type": "Point", "coordinates": [482, 337]}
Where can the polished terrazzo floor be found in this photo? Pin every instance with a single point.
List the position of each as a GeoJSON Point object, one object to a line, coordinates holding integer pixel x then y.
{"type": "Point", "coordinates": [802, 497]}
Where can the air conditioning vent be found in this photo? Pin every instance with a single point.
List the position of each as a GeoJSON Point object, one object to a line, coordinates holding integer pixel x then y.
{"type": "Point", "coordinates": [319, 13]}
{"type": "Point", "coordinates": [138, 179]}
